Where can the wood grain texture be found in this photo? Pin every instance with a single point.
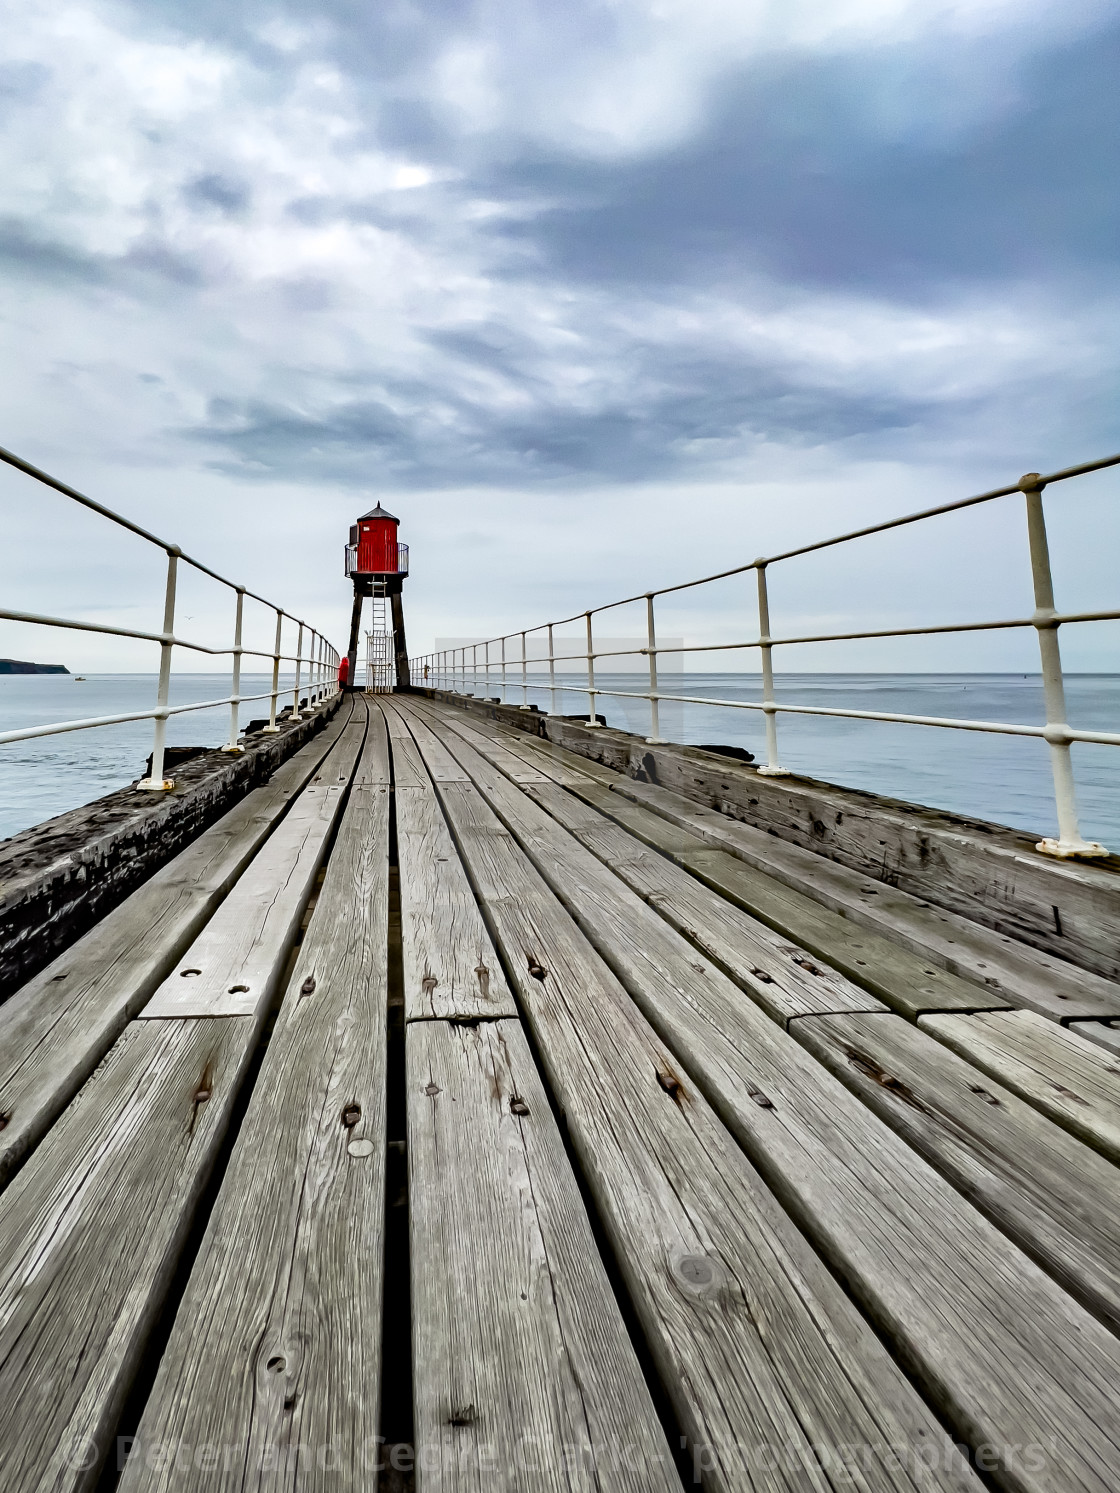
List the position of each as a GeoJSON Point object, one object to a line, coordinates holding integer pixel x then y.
{"type": "Point", "coordinates": [781, 976]}
{"type": "Point", "coordinates": [1004, 966]}
{"type": "Point", "coordinates": [1103, 1033]}
{"type": "Point", "coordinates": [57, 1028]}
{"type": "Point", "coordinates": [450, 969]}
{"type": "Point", "coordinates": [228, 968]}
{"type": "Point", "coordinates": [90, 1232]}
{"type": "Point", "coordinates": [904, 979]}
{"type": "Point", "coordinates": [989, 873]}
{"type": "Point", "coordinates": [1003, 1353]}
{"type": "Point", "coordinates": [1024, 975]}
{"type": "Point", "coordinates": [524, 1375]}
{"type": "Point", "coordinates": [1054, 1196]}
{"type": "Point", "coordinates": [274, 1357]}
{"type": "Point", "coordinates": [771, 1370]}
{"type": "Point", "coordinates": [1073, 1081]}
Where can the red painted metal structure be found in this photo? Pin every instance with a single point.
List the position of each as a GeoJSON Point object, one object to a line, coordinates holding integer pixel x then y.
{"type": "Point", "coordinates": [377, 565]}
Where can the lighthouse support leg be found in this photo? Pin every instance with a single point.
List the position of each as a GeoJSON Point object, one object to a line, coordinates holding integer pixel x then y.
{"type": "Point", "coordinates": [355, 624]}
{"type": "Point", "coordinates": [400, 644]}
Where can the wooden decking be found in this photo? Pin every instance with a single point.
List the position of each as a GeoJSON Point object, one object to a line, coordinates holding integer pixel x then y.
{"type": "Point", "coordinates": [723, 1169]}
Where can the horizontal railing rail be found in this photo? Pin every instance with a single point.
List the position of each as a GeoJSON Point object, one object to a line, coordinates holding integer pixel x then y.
{"type": "Point", "coordinates": [452, 669]}
{"type": "Point", "coordinates": [312, 649]}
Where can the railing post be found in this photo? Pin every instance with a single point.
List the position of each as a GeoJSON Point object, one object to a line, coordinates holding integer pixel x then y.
{"type": "Point", "coordinates": [272, 727]}
{"type": "Point", "coordinates": [474, 668]}
{"type": "Point", "coordinates": [233, 745]}
{"type": "Point", "coordinates": [1069, 842]}
{"type": "Point", "coordinates": [655, 737]}
{"type": "Point", "coordinates": [299, 671]}
{"type": "Point", "coordinates": [487, 650]}
{"type": "Point", "coordinates": [503, 671]}
{"type": "Point", "coordinates": [771, 769]}
{"type": "Point", "coordinates": [524, 678]}
{"type": "Point", "coordinates": [551, 671]}
{"type": "Point", "coordinates": [155, 782]}
{"type": "Point", "coordinates": [592, 713]}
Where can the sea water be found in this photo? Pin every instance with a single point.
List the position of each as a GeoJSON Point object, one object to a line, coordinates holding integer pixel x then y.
{"type": "Point", "coordinates": [999, 778]}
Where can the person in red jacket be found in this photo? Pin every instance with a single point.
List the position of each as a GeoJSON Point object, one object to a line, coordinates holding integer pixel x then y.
{"type": "Point", "coordinates": [343, 672]}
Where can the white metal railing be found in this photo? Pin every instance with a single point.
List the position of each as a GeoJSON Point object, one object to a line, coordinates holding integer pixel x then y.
{"type": "Point", "coordinates": [311, 649]}
{"type": "Point", "coordinates": [452, 670]}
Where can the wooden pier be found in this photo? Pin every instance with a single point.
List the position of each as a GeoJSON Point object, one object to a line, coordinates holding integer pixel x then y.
{"type": "Point", "coordinates": [728, 1165]}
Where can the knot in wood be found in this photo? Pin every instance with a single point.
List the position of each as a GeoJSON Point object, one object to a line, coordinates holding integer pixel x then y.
{"type": "Point", "coordinates": [761, 1099]}
{"type": "Point", "coordinates": [308, 987]}
{"type": "Point", "coordinates": [517, 1106]}
{"type": "Point", "coordinates": [760, 974]}
{"type": "Point", "coordinates": [537, 971]}
{"type": "Point", "coordinates": [351, 1114]}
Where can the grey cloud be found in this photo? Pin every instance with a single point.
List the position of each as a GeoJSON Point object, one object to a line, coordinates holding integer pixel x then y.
{"type": "Point", "coordinates": [216, 191]}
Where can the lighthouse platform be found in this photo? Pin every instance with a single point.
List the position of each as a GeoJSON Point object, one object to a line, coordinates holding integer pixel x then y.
{"type": "Point", "coordinates": [521, 1113]}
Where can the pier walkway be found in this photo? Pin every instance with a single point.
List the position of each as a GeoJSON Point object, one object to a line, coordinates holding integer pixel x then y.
{"type": "Point", "coordinates": [460, 1113]}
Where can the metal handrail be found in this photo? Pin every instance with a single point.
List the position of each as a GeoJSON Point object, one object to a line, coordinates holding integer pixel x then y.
{"type": "Point", "coordinates": [320, 657]}
{"type": "Point", "coordinates": [452, 670]}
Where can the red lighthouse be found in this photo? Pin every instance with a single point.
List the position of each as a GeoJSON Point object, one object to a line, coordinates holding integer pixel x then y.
{"type": "Point", "coordinates": [377, 563]}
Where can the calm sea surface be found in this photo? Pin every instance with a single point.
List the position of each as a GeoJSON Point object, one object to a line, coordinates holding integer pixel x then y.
{"type": "Point", "coordinates": [1004, 779]}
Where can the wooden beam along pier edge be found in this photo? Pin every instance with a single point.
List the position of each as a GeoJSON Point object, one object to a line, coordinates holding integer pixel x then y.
{"type": "Point", "coordinates": [471, 1100]}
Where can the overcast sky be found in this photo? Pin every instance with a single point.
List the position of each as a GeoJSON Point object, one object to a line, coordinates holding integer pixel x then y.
{"type": "Point", "coordinates": [594, 295]}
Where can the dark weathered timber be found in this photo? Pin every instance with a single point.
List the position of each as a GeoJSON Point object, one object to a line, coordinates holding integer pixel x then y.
{"type": "Point", "coordinates": [776, 1379]}
{"type": "Point", "coordinates": [92, 1226]}
{"type": "Point", "coordinates": [898, 977]}
{"type": "Point", "coordinates": [1007, 971]}
{"type": "Point", "coordinates": [1076, 1083]}
{"type": "Point", "coordinates": [989, 873]}
{"type": "Point", "coordinates": [276, 1349]}
{"type": "Point", "coordinates": [59, 878]}
{"type": "Point", "coordinates": [450, 968]}
{"type": "Point", "coordinates": [1005, 1355]}
{"type": "Point", "coordinates": [57, 1028]}
{"type": "Point", "coordinates": [1054, 1196]}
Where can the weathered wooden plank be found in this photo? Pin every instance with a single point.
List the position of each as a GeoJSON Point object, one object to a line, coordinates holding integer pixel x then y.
{"type": "Point", "coordinates": [780, 975]}
{"type": "Point", "coordinates": [902, 971]}
{"type": "Point", "coordinates": [450, 970]}
{"type": "Point", "coordinates": [275, 1354]}
{"type": "Point", "coordinates": [92, 1226]}
{"type": "Point", "coordinates": [989, 873]}
{"type": "Point", "coordinates": [1073, 1081]}
{"type": "Point", "coordinates": [1103, 1033]}
{"type": "Point", "coordinates": [225, 970]}
{"type": "Point", "coordinates": [1006, 1356]}
{"type": "Point", "coordinates": [1024, 974]}
{"type": "Point", "coordinates": [57, 1028]}
{"type": "Point", "coordinates": [776, 1379]}
{"type": "Point", "coordinates": [1054, 1196]}
{"type": "Point", "coordinates": [90, 1230]}
{"type": "Point", "coordinates": [523, 1370]}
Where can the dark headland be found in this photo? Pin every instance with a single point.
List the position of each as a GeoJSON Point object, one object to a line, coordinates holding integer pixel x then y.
{"type": "Point", "coordinates": [17, 666]}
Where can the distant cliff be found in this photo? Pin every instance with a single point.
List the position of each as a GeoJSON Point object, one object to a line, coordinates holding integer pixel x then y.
{"type": "Point", "coordinates": [17, 666]}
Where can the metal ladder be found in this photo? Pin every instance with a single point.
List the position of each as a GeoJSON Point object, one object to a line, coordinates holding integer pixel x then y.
{"type": "Point", "coordinates": [379, 646]}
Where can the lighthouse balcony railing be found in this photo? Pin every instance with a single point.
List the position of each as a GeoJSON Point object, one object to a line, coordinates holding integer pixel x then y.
{"type": "Point", "coordinates": [484, 667]}
{"type": "Point", "coordinates": [294, 642]}
{"type": "Point", "coordinates": [351, 562]}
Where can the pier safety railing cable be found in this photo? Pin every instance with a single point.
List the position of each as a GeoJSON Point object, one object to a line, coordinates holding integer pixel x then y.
{"type": "Point", "coordinates": [311, 648]}
{"type": "Point", "coordinates": [452, 670]}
